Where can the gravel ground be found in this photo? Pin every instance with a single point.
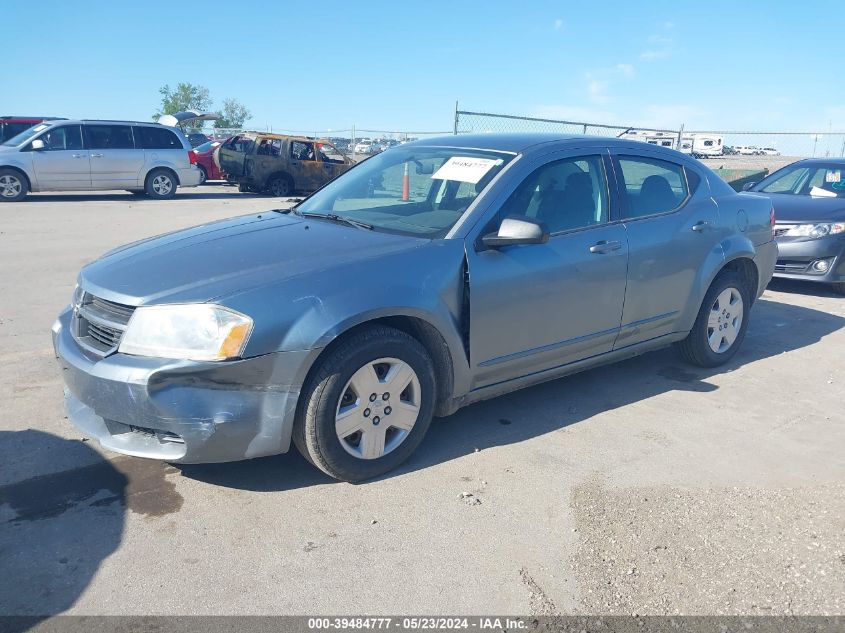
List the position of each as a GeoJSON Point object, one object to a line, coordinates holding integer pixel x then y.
{"type": "Point", "coordinates": [645, 487]}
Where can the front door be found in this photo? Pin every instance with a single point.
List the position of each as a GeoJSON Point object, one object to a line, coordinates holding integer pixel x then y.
{"type": "Point", "coordinates": [232, 155]}
{"type": "Point", "coordinates": [539, 306]}
{"type": "Point", "coordinates": [672, 226]}
{"type": "Point", "coordinates": [115, 163]}
{"type": "Point", "coordinates": [62, 164]}
{"type": "Point", "coordinates": [304, 166]}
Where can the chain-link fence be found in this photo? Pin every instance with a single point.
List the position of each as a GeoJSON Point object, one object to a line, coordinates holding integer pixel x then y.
{"type": "Point", "coordinates": [739, 150]}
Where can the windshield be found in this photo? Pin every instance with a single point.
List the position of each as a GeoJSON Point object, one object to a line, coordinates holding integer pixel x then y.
{"type": "Point", "coordinates": [24, 136]}
{"type": "Point", "coordinates": [823, 181]}
{"type": "Point", "coordinates": [420, 191]}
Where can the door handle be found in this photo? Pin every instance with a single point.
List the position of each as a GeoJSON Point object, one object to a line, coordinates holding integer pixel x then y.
{"type": "Point", "coordinates": [80, 155]}
{"type": "Point", "coordinates": [96, 155]}
{"type": "Point", "coordinates": [699, 226]}
{"type": "Point", "coordinates": [603, 247]}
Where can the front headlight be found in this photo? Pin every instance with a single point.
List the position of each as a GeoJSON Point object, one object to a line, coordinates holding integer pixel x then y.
{"type": "Point", "coordinates": [816, 230]}
{"type": "Point", "coordinates": [194, 331]}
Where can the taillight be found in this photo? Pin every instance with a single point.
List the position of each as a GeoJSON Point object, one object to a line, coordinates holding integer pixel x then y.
{"type": "Point", "coordinates": [192, 157]}
{"type": "Point", "coordinates": [772, 221]}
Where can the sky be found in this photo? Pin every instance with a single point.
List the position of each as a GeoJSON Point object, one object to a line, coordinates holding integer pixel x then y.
{"type": "Point", "coordinates": [402, 65]}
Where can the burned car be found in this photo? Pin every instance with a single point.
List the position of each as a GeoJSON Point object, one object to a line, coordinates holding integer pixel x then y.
{"type": "Point", "coordinates": [280, 165]}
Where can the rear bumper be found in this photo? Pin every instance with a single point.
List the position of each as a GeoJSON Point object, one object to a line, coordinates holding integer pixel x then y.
{"type": "Point", "coordinates": [799, 258]}
{"type": "Point", "coordinates": [189, 177]}
{"type": "Point", "coordinates": [181, 411]}
{"type": "Point", "coordinates": [765, 259]}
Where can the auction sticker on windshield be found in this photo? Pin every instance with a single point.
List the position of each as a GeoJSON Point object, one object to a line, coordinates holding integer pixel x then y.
{"type": "Point", "coordinates": [465, 169]}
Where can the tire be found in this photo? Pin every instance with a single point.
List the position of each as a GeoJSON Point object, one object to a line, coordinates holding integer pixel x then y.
{"type": "Point", "coordinates": [838, 288]}
{"type": "Point", "coordinates": [716, 336]}
{"type": "Point", "coordinates": [13, 185]}
{"type": "Point", "coordinates": [369, 445]}
{"type": "Point", "coordinates": [243, 188]}
{"type": "Point", "coordinates": [280, 186]}
{"type": "Point", "coordinates": [160, 184]}
{"type": "Point", "coordinates": [203, 175]}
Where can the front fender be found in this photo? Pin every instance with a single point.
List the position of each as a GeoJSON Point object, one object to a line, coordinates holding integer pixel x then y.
{"type": "Point", "coordinates": [310, 311]}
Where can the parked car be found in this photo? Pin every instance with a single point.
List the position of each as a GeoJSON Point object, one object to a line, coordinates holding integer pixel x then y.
{"type": "Point", "coordinates": [203, 158]}
{"type": "Point", "coordinates": [344, 324]}
{"type": "Point", "coordinates": [13, 125]}
{"type": "Point", "coordinates": [769, 151]}
{"type": "Point", "coordinates": [363, 146]}
{"type": "Point", "coordinates": [278, 164]}
{"type": "Point", "coordinates": [197, 138]}
{"type": "Point", "coordinates": [747, 150]}
{"type": "Point", "coordinates": [144, 158]}
{"type": "Point", "coordinates": [809, 201]}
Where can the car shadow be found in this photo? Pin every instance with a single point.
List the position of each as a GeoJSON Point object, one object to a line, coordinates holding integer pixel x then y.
{"type": "Point", "coordinates": [775, 328]}
{"type": "Point", "coordinates": [806, 288]}
{"type": "Point", "coordinates": [56, 530]}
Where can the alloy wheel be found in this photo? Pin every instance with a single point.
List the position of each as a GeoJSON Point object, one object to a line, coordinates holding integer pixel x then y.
{"type": "Point", "coordinates": [162, 185]}
{"type": "Point", "coordinates": [10, 186]}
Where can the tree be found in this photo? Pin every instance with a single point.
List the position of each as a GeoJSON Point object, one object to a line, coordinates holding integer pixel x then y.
{"type": "Point", "coordinates": [185, 97]}
{"type": "Point", "coordinates": [233, 115]}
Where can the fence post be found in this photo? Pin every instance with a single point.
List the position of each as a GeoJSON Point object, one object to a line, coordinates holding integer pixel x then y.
{"type": "Point", "coordinates": [456, 118]}
{"type": "Point", "coordinates": [680, 134]}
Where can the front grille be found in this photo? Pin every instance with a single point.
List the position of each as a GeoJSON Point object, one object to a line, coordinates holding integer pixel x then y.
{"type": "Point", "coordinates": [782, 229]}
{"type": "Point", "coordinates": [161, 436]}
{"type": "Point", "coordinates": [98, 324]}
{"type": "Point", "coordinates": [790, 266]}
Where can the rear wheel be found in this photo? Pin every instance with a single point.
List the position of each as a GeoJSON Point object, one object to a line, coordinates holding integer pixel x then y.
{"type": "Point", "coordinates": [720, 326]}
{"type": "Point", "coordinates": [367, 406]}
{"type": "Point", "coordinates": [280, 186]}
{"type": "Point", "coordinates": [160, 184]}
{"type": "Point", "coordinates": [13, 186]}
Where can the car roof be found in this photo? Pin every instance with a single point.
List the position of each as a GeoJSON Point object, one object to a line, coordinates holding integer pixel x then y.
{"type": "Point", "coordinates": [31, 118]}
{"type": "Point", "coordinates": [821, 161]}
{"type": "Point", "coordinates": [525, 143]}
{"type": "Point", "coordinates": [107, 121]}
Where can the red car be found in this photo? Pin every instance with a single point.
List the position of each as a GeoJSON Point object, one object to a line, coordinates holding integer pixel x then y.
{"type": "Point", "coordinates": [12, 125]}
{"type": "Point", "coordinates": [203, 157]}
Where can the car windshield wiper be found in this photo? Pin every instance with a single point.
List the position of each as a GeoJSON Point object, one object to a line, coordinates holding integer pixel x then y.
{"type": "Point", "coordinates": [333, 217]}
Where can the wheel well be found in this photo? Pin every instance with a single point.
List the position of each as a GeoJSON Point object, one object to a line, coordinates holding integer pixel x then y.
{"type": "Point", "coordinates": [429, 337]}
{"type": "Point", "coordinates": [155, 169]}
{"type": "Point", "coordinates": [747, 271]}
{"type": "Point", "coordinates": [21, 172]}
{"type": "Point", "coordinates": [279, 174]}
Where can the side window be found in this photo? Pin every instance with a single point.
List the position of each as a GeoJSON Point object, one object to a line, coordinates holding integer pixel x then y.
{"type": "Point", "coordinates": [300, 150]}
{"type": "Point", "coordinates": [108, 137]}
{"type": "Point", "coordinates": [269, 147]}
{"type": "Point", "coordinates": [62, 138]}
{"type": "Point", "coordinates": [652, 185]}
{"type": "Point", "coordinates": [156, 138]}
{"type": "Point", "coordinates": [239, 144]}
{"type": "Point", "coordinates": [565, 194]}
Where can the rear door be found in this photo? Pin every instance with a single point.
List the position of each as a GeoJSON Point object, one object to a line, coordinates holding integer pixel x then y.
{"type": "Point", "coordinates": [160, 145]}
{"type": "Point", "coordinates": [115, 163]}
{"type": "Point", "coordinates": [332, 161]}
{"type": "Point", "coordinates": [672, 228]}
{"type": "Point", "coordinates": [63, 164]}
{"type": "Point", "coordinates": [232, 154]}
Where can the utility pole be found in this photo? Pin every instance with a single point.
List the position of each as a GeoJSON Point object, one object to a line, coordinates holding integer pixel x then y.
{"type": "Point", "coordinates": [456, 118]}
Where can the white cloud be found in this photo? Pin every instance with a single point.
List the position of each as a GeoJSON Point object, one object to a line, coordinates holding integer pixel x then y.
{"type": "Point", "coordinates": [652, 55]}
{"type": "Point", "coordinates": [558, 25]}
{"type": "Point", "coordinates": [597, 90]}
{"type": "Point", "coordinates": [668, 25]}
{"type": "Point", "coordinates": [660, 39]}
{"type": "Point", "coordinates": [626, 69]}
{"type": "Point", "coordinates": [574, 113]}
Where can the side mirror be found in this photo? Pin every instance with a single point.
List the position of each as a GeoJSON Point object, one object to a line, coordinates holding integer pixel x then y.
{"type": "Point", "coordinates": [748, 186]}
{"type": "Point", "coordinates": [517, 230]}
{"type": "Point", "coordinates": [38, 145]}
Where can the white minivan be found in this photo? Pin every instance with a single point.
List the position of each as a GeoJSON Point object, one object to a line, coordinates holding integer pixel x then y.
{"type": "Point", "coordinates": [144, 158]}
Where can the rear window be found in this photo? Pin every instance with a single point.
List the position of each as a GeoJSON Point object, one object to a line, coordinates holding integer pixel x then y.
{"type": "Point", "coordinates": [108, 137]}
{"type": "Point", "coordinates": [156, 138]}
{"type": "Point", "coordinates": [652, 186]}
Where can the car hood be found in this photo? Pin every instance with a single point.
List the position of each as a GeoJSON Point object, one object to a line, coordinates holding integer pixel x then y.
{"type": "Point", "coordinates": [223, 258]}
{"type": "Point", "coordinates": [792, 208]}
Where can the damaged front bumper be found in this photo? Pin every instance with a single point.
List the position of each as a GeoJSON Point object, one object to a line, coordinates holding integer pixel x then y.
{"type": "Point", "coordinates": [181, 411]}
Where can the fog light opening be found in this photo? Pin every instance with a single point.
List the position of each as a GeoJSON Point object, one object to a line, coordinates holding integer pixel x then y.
{"type": "Point", "coordinates": [821, 265]}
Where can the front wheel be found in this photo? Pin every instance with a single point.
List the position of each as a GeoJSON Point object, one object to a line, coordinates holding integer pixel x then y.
{"type": "Point", "coordinates": [368, 405]}
{"type": "Point", "coordinates": [160, 184]}
{"type": "Point", "coordinates": [13, 186]}
{"type": "Point", "coordinates": [720, 326]}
